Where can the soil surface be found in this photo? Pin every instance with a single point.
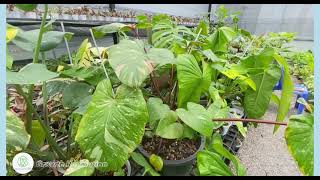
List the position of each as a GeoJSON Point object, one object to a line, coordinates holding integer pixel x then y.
{"type": "Point", "coordinates": [171, 149]}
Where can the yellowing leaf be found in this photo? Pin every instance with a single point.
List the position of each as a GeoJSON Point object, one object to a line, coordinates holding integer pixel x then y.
{"type": "Point", "coordinates": [156, 162]}
{"type": "Point", "coordinates": [11, 33]}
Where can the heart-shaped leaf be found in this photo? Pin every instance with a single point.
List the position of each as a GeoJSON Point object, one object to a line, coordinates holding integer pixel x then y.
{"type": "Point", "coordinates": [100, 31]}
{"type": "Point", "coordinates": [74, 93]}
{"type": "Point", "coordinates": [132, 61]}
{"type": "Point", "coordinates": [191, 80]}
{"type": "Point", "coordinates": [113, 125]}
{"type": "Point", "coordinates": [169, 128]}
{"type": "Point", "coordinates": [27, 40]}
{"type": "Point", "coordinates": [157, 111]}
{"type": "Point", "coordinates": [198, 118]}
{"type": "Point", "coordinates": [220, 38]}
{"type": "Point", "coordinates": [30, 74]}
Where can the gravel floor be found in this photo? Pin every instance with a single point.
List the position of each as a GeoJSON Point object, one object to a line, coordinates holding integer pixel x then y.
{"type": "Point", "coordinates": [265, 154]}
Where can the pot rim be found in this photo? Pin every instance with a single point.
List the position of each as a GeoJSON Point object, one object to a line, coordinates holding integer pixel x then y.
{"type": "Point", "coordinates": [180, 161]}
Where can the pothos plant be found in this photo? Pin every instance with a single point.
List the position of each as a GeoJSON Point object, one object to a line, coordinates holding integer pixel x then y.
{"type": "Point", "coordinates": [119, 99]}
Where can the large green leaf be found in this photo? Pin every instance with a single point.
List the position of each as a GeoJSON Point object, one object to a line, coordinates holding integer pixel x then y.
{"type": "Point", "coordinates": [30, 74]}
{"type": "Point", "coordinates": [198, 118]}
{"type": "Point", "coordinates": [169, 128]}
{"type": "Point", "coordinates": [100, 31]}
{"type": "Point", "coordinates": [258, 61]}
{"type": "Point", "coordinates": [203, 28]}
{"type": "Point", "coordinates": [300, 140]}
{"type": "Point", "coordinates": [9, 60]}
{"type": "Point", "coordinates": [157, 111]}
{"type": "Point", "coordinates": [57, 86]}
{"type": "Point", "coordinates": [92, 74]}
{"type": "Point", "coordinates": [17, 138]}
{"type": "Point", "coordinates": [113, 125]}
{"type": "Point", "coordinates": [217, 146]}
{"type": "Point", "coordinates": [191, 80]}
{"type": "Point", "coordinates": [165, 34]}
{"type": "Point", "coordinates": [132, 61]}
{"type": "Point", "coordinates": [81, 168]}
{"type": "Point", "coordinates": [211, 164]}
{"type": "Point", "coordinates": [74, 93]}
{"type": "Point", "coordinates": [139, 159]}
{"type": "Point", "coordinates": [286, 93]}
{"type": "Point", "coordinates": [257, 102]}
{"type": "Point", "coordinates": [220, 39]}
{"type": "Point", "coordinates": [27, 40]}
{"type": "Point", "coordinates": [27, 7]}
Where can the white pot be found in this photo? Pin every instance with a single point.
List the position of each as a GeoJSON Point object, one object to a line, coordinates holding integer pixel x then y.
{"type": "Point", "coordinates": [55, 16]}
{"type": "Point", "coordinates": [30, 15]}
{"type": "Point", "coordinates": [125, 19]}
{"type": "Point", "coordinates": [91, 18]}
{"type": "Point", "coordinates": [66, 17]}
{"type": "Point", "coordinates": [108, 18]}
{"type": "Point", "coordinates": [82, 17]}
{"type": "Point", "coordinates": [100, 18]}
{"type": "Point", "coordinates": [120, 19]}
{"type": "Point", "coordinates": [133, 19]}
{"type": "Point", "coordinates": [16, 14]}
{"type": "Point", "coordinates": [75, 17]}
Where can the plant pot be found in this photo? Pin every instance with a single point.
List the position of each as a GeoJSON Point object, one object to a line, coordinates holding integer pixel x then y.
{"type": "Point", "coordinates": [108, 18]}
{"type": "Point", "coordinates": [75, 17]}
{"type": "Point", "coordinates": [67, 17]}
{"type": "Point", "coordinates": [15, 14]}
{"type": "Point", "coordinates": [177, 167]}
{"type": "Point", "coordinates": [100, 18]}
{"type": "Point", "coordinates": [55, 16]}
{"type": "Point", "coordinates": [82, 17]}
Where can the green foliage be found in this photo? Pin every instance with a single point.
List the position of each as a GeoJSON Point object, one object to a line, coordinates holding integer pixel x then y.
{"type": "Point", "coordinates": [27, 40]}
{"type": "Point", "coordinates": [192, 81]}
{"type": "Point", "coordinates": [113, 125]}
{"type": "Point", "coordinates": [139, 159]}
{"type": "Point", "coordinates": [133, 61]}
{"type": "Point", "coordinates": [300, 140]}
{"type": "Point", "coordinates": [27, 7]}
{"type": "Point", "coordinates": [101, 31]}
{"type": "Point", "coordinates": [17, 138]}
{"type": "Point", "coordinates": [30, 74]}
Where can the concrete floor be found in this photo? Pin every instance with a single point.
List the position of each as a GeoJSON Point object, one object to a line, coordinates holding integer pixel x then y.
{"type": "Point", "coordinates": [266, 154]}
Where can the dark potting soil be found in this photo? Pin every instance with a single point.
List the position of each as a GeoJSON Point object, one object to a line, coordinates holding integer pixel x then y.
{"type": "Point", "coordinates": [169, 149]}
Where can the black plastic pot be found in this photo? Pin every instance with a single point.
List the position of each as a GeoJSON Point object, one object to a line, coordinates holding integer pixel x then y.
{"type": "Point", "coordinates": [181, 167]}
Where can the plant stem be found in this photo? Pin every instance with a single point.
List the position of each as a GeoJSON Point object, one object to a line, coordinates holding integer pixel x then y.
{"type": "Point", "coordinates": [156, 86]}
{"type": "Point", "coordinates": [252, 120]}
{"type": "Point", "coordinates": [28, 123]}
{"type": "Point", "coordinates": [171, 83]}
{"type": "Point", "coordinates": [51, 141]}
{"type": "Point", "coordinates": [45, 94]}
{"type": "Point", "coordinates": [43, 22]}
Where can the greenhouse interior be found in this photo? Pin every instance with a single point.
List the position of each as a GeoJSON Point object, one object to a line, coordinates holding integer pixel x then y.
{"type": "Point", "coordinates": [160, 89]}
